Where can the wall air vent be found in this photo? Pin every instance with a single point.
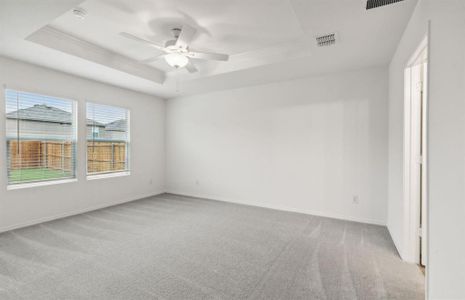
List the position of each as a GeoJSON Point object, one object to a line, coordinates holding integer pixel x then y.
{"type": "Point", "coordinates": [377, 3]}
{"type": "Point", "coordinates": [326, 40]}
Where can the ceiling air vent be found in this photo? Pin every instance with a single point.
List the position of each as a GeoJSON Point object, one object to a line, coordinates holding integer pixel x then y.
{"type": "Point", "coordinates": [377, 3]}
{"type": "Point", "coordinates": [326, 40]}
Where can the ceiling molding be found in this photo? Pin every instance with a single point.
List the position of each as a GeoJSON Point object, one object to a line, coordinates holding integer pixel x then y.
{"type": "Point", "coordinates": [51, 37]}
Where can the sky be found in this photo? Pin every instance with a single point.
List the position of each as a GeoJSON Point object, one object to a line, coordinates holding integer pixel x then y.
{"type": "Point", "coordinates": [101, 113]}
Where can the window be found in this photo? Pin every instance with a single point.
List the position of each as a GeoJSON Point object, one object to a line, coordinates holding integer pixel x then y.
{"type": "Point", "coordinates": [107, 139]}
{"type": "Point", "coordinates": [40, 137]}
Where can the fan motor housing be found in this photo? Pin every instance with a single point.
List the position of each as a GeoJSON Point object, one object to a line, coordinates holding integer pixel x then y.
{"type": "Point", "coordinates": [171, 46]}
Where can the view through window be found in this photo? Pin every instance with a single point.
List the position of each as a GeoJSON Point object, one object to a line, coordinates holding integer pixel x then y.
{"type": "Point", "coordinates": [40, 137]}
{"type": "Point", "coordinates": [107, 139]}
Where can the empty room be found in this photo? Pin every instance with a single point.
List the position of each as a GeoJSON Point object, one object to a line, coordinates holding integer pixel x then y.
{"type": "Point", "coordinates": [232, 149]}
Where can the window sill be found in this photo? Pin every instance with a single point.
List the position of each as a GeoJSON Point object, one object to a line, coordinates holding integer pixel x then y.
{"type": "Point", "coordinates": [108, 175]}
{"type": "Point", "coordinates": [38, 184]}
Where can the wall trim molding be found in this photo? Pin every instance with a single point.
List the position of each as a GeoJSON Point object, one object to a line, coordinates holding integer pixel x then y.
{"type": "Point", "coordinates": [76, 212]}
{"type": "Point", "coordinates": [279, 207]}
{"type": "Point", "coordinates": [204, 196]}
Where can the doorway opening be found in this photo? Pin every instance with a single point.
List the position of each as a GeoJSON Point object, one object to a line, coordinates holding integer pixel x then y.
{"type": "Point", "coordinates": [415, 154]}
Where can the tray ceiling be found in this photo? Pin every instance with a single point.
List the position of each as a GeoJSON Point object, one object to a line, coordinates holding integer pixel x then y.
{"type": "Point", "coordinates": [268, 40]}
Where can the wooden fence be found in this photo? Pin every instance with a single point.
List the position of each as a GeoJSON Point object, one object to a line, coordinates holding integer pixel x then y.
{"type": "Point", "coordinates": [101, 156]}
{"type": "Point", "coordinates": [40, 154]}
{"type": "Point", "coordinates": [106, 156]}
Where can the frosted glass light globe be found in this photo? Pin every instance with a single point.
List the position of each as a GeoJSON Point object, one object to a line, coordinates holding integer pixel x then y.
{"type": "Point", "coordinates": [176, 60]}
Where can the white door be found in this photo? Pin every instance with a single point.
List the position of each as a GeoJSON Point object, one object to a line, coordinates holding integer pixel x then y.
{"type": "Point", "coordinates": [415, 163]}
{"type": "Point", "coordinates": [416, 157]}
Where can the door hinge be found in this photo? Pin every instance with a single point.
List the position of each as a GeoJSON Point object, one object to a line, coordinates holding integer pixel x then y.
{"type": "Point", "coordinates": [420, 232]}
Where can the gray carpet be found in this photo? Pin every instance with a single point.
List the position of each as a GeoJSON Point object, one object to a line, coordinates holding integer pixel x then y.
{"type": "Point", "coordinates": [173, 247]}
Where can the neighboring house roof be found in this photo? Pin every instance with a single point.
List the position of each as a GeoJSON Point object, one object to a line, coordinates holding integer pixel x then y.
{"type": "Point", "coordinates": [45, 113]}
{"type": "Point", "coordinates": [91, 122]}
{"type": "Point", "coordinates": [118, 125]}
{"type": "Point", "coordinates": [42, 113]}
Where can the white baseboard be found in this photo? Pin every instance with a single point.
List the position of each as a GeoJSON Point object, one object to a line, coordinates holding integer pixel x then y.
{"type": "Point", "coordinates": [282, 208]}
{"type": "Point", "coordinates": [104, 205]}
{"type": "Point", "coordinates": [75, 212]}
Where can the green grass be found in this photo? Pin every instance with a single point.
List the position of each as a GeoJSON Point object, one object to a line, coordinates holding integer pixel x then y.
{"type": "Point", "coordinates": [36, 174]}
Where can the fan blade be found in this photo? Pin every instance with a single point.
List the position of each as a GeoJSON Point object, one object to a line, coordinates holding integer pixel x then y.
{"type": "Point", "coordinates": [208, 56]}
{"type": "Point", "coordinates": [191, 67]}
{"type": "Point", "coordinates": [152, 59]}
{"type": "Point", "coordinates": [185, 37]}
{"type": "Point", "coordinates": [138, 39]}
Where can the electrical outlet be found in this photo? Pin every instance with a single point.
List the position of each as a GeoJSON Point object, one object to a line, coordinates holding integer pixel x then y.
{"type": "Point", "coordinates": [355, 200]}
{"type": "Point", "coordinates": [197, 182]}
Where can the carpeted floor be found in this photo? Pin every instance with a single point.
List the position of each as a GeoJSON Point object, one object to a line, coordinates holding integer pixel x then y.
{"type": "Point", "coordinates": [173, 247]}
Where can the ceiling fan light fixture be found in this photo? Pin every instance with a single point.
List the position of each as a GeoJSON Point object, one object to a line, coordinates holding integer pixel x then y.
{"type": "Point", "coordinates": [177, 52]}
{"type": "Point", "coordinates": [176, 60]}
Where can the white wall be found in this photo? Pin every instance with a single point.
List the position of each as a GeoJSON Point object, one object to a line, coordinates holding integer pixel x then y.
{"type": "Point", "coordinates": [307, 145]}
{"type": "Point", "coordinates": [31, 205]}
{"type": "Point", "coordinates": [447, 150]}
{"type": "Point", "coordinates": [446, 144]}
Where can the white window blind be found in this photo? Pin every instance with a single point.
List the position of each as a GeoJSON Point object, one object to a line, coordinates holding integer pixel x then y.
{"type": "Point", "coordinates": [107, 139]}
{"type": "Point", "coordinates": [40, 137]}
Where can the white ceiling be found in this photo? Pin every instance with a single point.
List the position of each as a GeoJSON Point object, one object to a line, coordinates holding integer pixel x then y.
{"type": "Point", "coordinates": [268, 40]}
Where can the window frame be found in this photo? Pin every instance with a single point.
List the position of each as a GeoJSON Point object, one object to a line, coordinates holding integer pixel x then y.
{"type": "Point", "coordinates": [112, 174]}
{"type": "Point", "coordinates": [75, 141]}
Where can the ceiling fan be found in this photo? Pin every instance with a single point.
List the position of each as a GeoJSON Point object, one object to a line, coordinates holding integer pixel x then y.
{"type": "Point", "coordinates": [177, 52]}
